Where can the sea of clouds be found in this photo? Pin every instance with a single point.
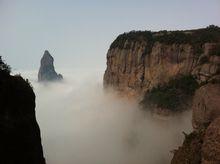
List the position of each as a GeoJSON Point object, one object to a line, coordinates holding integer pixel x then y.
{"type": "Point", "coordinates": [83, 124]}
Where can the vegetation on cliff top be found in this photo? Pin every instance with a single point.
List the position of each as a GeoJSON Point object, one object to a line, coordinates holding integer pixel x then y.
{"type": "Point", "coordinates": [4, 67]}
{"type": "Point", "coordinates": [194, 37]}
{"type": "Point", "coordinates": [172, 95]}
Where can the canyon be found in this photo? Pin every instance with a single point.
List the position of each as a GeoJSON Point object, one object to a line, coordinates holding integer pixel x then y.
{"type": "Point", "coordinates": [167, 72]}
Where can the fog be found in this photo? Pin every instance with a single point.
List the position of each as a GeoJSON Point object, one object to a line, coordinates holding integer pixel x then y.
{"type": "Point", "coordinates": [82, 124]}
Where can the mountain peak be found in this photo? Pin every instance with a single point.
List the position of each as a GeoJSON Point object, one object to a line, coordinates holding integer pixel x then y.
{"type": "Point", "coordinates": [47, 71]}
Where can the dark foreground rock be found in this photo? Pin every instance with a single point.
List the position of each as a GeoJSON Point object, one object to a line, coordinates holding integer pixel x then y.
{"type": "Point", "coordinates": [47, 71]}
{"type": "Point", "coordinates": [19, 131]}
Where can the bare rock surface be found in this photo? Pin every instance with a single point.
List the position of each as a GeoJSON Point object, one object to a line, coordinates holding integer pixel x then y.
{"type": "Point", "coordinates": [206, 105]}
{"type": "Point", "coordinates": [204, 145]}
{"type": "Point", "coordinates": [211, 144]}
{"type": "Point", "coordinates": [47, 71]}
{"type": "Point", "coordinates": [140, 61]}
{"type": "Point", "coordinates": [190, 152]}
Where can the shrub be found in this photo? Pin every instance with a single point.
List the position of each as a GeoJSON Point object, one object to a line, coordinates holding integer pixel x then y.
{"type": "Point", "coordinates": [172, 95]}
{"type": "Point", "coordinates": [137, 36]}
{"type": "Point", "coordinates": [4, 67]}
{"type": "Point", "coordinates": [194, 37]}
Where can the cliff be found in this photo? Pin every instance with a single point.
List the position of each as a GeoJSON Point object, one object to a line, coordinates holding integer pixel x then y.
{"type": "Point", "coordinates": [139, 61]}
{"type": "Point", "coordinates": [202, 146]}
{"type": "Point", "coordinates": [20, 134]}
{"type": "Point", "coordinates": [47, 71]}
{"type": "Point", "coordinates": [170, 71]}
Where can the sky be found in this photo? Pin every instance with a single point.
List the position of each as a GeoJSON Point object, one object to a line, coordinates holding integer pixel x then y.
{"type": "Point", "coordinates": [78, 33]}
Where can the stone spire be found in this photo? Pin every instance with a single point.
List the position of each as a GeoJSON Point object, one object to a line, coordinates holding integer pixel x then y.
{"type": "Point", "coordinates": [47, 71]}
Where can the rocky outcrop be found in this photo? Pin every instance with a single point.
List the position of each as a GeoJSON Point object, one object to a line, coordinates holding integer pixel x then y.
{"type": "Point", "coordinates": [47, 71]}
{"type": "Point", "coordinates": [20, 134]}
{"type": "Point", "coordinates": [208, 65]}
{"type": "Point", "coordinates": [211, 143]}
{"type": "Point", "coordinates": [206, 105]}
{"type": "Point", "coordinates": [190, 152]}
{"type": "Point", "coordinates": [140, 61]}
{"type": "Point", "coordinates": [202, 146]}
{"type": "Point", "coordinates": [133, 72]}
{"type": "Point", "coordinates": [172, 71]}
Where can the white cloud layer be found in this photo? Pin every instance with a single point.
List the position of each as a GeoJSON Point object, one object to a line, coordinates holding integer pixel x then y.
{"type": "Point", "coordinates": [81, 124]}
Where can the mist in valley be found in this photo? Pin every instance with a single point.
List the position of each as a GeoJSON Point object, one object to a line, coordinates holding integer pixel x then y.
{"type": "Point", "coordinates": [83, 124]}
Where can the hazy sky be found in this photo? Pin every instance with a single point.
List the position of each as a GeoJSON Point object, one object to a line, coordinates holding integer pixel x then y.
{"type": "Point", "coordinates": [78, 32]}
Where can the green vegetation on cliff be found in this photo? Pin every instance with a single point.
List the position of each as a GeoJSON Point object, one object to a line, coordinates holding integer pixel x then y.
{"type": "Point", "coordinates": [171, 95]}
{"type": "Point", "coordinates": [195, 37]}
{"type": "Point", "coordinates": [137, 36]}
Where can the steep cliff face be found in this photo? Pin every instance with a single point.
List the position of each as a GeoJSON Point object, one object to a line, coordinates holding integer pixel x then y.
{"type": "Point", "coordinates": [20, 134]}
{"type": "Point", "coordinates": [140, 61]}
{"type": "Point", "coordinates": [172, 70]}
{"type": "Point", "coordinates": [206, 105]}
{"type": "Point", "coordinates": [202, 146]}
{"type": "Point", "coordinates": [211, 144]}
{"type": "Point", "coordinates": [47, 71]}
{"type": "Point", "coordinates": [131, 70]}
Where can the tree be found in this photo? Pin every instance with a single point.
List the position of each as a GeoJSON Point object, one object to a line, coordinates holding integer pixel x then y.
{"type": "Point", "coordinates": [4, 67]}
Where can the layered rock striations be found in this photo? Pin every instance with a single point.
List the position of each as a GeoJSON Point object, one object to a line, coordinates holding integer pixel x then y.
{"type": "Point", "coordinates": [140, 61]}
{"type": "Point", "coordinates": [47, 71]}
{"type": "Point", "coordinates": [20, 138]}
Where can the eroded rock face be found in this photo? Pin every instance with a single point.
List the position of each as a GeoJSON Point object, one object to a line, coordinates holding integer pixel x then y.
{"type": "Point", "coordinates": [203, 147]}
{"type": "Point", "coordinates": [208, 65]}
{"type": "Point", "coordinates": [136, 66]}
{"type": "Point", "coordinates": [211, 144]}
{"type": "Point", "coordinates": [206, 105]}
{"type": "Point", "coordinates": [190, 152]}
{"type": "Point", "coordinates": [137, 62]}
{"type": "Point", "coordinates": [47, 71]}
{"type": "Point", "coordinates": [19, 131]}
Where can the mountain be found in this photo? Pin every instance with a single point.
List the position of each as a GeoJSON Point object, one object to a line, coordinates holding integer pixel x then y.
{"type": "Point", "coordinates": [169, 72]}
{"type": "Point", "coordinates": [20, 138]}
{"type": "Point", "coordinates": [202, 146]}
{"type": "Point", "coordinates": [47, 71]}
{"type": "Point", "coordinates": [156, 67]}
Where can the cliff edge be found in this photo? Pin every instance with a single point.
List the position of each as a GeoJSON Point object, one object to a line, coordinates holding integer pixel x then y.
{"type": "Point", "coordinates": [170, 71]}
{"type": "Point", "coordinates": [163, 69]}
{"type": "Point", "coordinates": [139, 61]}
